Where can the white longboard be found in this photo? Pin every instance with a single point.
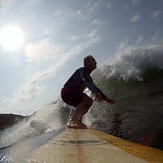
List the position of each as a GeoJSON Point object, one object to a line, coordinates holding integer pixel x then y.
{"type": "Point", "coordinates": [92, 146]}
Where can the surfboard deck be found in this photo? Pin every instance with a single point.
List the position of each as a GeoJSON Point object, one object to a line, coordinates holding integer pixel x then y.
{"type": "Point", "coordinates": [92, 146]}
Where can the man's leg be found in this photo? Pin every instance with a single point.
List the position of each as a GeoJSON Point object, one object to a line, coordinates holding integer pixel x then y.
{"type": "Point", "coordinates": [81, 110]}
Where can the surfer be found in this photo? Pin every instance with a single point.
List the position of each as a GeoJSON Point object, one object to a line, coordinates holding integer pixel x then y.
{"type": "Point", "coordinates": [72, 92]}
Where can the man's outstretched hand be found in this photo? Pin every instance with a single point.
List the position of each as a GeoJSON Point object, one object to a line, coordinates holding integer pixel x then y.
{"type": "Point", "coordinates": [110, 101]}
{"type": "Point", "coordinates": [98, 98]}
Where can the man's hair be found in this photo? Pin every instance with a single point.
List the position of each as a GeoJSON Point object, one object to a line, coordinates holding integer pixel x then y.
{"type": "Point", "coordinates": [87, 59]}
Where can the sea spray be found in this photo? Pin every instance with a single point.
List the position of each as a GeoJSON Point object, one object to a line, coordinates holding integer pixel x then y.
{"type": "Point", "coordinates": [35, 130]}
{"type": "Point", "coordinates": [132, 62]}
{"type": "Point", "coordinates": [46, 119]}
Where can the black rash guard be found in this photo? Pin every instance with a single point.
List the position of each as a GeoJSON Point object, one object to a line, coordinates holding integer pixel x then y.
{"type": "Point", "coordinates": [82, 79]}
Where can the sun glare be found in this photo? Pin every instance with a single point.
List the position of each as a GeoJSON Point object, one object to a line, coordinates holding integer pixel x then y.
{"type": "Point", "coordinates": [11, 37]}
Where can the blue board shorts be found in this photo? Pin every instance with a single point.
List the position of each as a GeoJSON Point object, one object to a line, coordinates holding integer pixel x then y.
{"type": "Point", "coordinates": [71, 96]}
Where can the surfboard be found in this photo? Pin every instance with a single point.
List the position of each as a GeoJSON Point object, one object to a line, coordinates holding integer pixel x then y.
{"type": "Point", "coordinates": [92, 146]}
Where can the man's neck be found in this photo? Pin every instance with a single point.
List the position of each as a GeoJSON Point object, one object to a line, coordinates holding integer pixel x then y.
{"type": "Point", "coordinates": [89, 69]}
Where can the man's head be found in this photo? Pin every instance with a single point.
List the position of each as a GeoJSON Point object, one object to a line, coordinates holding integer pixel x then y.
{"type": "Point", "coordinates": [90, 63]}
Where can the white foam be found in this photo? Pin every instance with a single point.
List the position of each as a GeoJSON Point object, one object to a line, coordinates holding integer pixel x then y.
{"type": "Point", "coordinates": [132, 62]}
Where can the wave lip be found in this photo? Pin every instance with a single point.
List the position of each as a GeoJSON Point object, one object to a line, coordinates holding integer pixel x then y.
{"type": "Point", "coordinates": [132, 62]}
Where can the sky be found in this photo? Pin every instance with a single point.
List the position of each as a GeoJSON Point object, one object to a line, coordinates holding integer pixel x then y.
{"type": "Point", "coordinates": [42, 42]}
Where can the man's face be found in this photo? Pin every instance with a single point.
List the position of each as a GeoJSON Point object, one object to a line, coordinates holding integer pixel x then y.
{"type": "Point", "coordinates": [92, 64]}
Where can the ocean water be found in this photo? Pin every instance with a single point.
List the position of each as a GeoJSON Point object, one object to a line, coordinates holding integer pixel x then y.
{"type": "Point", "coordinates": [134, 79]}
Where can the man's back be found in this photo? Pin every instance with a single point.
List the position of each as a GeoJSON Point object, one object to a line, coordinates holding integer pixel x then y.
{"type": "Point", "coordinates": [77, 80]}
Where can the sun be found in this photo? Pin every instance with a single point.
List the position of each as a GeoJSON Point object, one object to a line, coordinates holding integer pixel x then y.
{"type": "Point", "coordinates": [11, 37]}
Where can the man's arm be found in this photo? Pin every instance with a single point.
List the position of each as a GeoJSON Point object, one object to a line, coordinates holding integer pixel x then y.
{"type": "Point", "coordinates": [103, 96]}
{"type": "Point", "coordinates": [84, 74]}
{"type": "Point", "coordinates": [99, 96]}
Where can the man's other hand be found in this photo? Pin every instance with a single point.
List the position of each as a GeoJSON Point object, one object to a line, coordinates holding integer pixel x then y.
{"type": "Point", "coordinates": [111, 101]}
